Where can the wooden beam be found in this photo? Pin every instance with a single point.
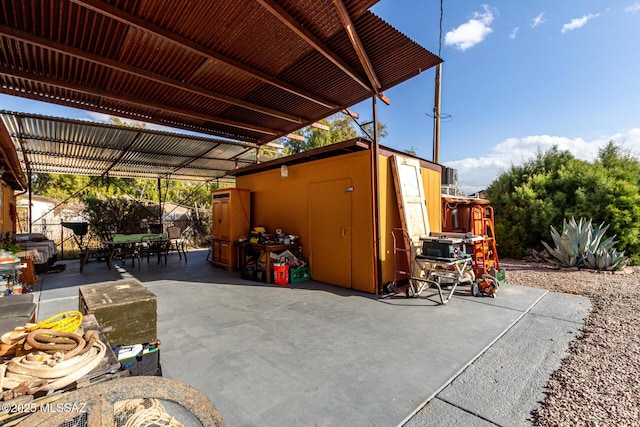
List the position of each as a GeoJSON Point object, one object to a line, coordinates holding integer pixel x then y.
{"type": "Point", "coordinates": [353, 114]}
{"type": "Point", "coordinates": [274, 144]}
{"type": "Point", "coordinates": [138, 72]}
{"type": "Point", "coordinates": [306, 35]}
{"type": "Point", "coordinates": [296, 137]}
{"type": "Point", "coordinates": [11, 72]}
{"type": "Point", "coordinates": [359, 48]}
{"type": "Point", "coordinates": [176, 39]}
{"type": "Point", "coordinates": [320, 126]}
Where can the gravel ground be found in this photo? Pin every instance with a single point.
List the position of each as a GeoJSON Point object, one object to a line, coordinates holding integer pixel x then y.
{"type": "Point", "coordinates": [597, 382]}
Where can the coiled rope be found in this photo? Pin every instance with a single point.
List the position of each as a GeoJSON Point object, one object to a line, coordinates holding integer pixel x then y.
{"type": "Point", "coordinates": [40, 371]}
{"type": "Point", "coordinates": [142, 412]}
{"type": "Point", "coordinates": [67, 321]}
{"type": "Point", "coordinates": [12, 341]}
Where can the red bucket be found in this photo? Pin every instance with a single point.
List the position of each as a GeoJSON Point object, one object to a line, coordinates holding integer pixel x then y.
{"type": "Point", "coordinates": [281, 275]}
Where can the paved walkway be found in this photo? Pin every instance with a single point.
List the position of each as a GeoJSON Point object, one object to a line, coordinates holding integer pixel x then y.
{"type": "Point", "coordinates": [311, 354]}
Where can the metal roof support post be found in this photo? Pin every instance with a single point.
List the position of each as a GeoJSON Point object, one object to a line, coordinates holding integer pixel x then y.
{"type": "Point", "coordinates": [30, 202]}
{"type": "Point", "coordinates": [376, 196]}
{"type": "Point", "coordinates": [436, 116]}
{"type": "Point", "coordinates": [160, 201]}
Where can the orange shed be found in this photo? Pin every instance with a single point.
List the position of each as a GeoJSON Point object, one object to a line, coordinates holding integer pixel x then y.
{"type": "Point", "coordinates": [326, 196]}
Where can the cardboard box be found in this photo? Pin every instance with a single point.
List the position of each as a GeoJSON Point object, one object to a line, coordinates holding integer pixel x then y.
{"type": "Point", "coordinates": [126, 310]}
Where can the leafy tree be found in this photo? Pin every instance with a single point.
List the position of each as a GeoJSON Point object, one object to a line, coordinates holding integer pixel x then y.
{"type": "Point", "coordinates": [367, 131]}
{"type": "Point", "coordinates": [117, 214]}
{"type": "Point", "coordinates": [271, 150]}
{"type": "Point", "coordinates": [554, 185]}
{"type": "Point", "coordinates": [412, 151]}
{"type": "Point", "coordinates": [341, 128]}
{"type": "Point", "coordinates": [132, 124]}
{"type": "Point", "coordinates": [40, 182]}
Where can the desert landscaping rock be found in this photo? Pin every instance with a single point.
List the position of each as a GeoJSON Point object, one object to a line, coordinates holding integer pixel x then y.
{"type": "Point", "coordinates": [597, 382]}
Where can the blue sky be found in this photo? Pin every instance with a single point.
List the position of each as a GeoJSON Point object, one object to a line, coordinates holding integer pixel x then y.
{"type": "Point", "coordinates": [517, 76]}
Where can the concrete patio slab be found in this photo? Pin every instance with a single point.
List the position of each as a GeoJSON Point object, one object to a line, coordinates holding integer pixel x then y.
{"type": "Point", "coordinates": [505, 383]}
{"type": "Point", "coordinates": [313, 354]}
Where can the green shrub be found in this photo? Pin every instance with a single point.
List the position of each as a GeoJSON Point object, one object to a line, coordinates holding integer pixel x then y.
{"type": "Point", "coordinates": [554, 185]}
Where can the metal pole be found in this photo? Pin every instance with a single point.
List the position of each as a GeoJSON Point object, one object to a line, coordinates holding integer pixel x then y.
{"type": "Point", "coordinates": [30, 202]}
{"type": "Point", "coordinates": [376, 196]}
{"type": "Point", "coordinates": [436, 116]}
{"type": "Point", "coordinates": [160, 202]}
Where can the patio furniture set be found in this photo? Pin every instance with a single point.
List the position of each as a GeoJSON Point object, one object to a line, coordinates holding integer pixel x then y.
{"type": "Point", "coordinates": [129, 246]}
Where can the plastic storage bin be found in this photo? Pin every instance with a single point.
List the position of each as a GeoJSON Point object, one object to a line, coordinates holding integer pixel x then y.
{"type": "Point", "coordinates": [300, 274]}
{"type": "Point", "coordinates": [281, 275]}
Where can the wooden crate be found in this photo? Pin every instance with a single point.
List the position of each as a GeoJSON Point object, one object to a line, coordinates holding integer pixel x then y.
{"type": "Point", "coordinates": [125, 309]}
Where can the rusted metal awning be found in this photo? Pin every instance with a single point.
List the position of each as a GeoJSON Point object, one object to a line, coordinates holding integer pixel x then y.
{"type": "Point", "coordinates": [250, 71]}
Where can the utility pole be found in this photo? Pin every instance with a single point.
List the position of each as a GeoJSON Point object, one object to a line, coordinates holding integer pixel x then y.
{"type": "Point", "coordinates": [436, 115]}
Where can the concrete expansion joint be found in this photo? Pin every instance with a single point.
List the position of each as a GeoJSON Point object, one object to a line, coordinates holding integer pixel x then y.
{"type": "Point", "coordinates": [573, 322]}
{"type": "Point", "coordinates": [476, 357]}
{"type": "Point", "coordinates": [469, 412]}
{"type": "Point", "coordinates": [479, 300]}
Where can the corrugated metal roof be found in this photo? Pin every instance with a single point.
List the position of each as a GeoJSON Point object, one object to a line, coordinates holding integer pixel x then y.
{"type": "Point", "coordinates": [56, 145]}
{"type": "Point", "coordinates": [229, 68]}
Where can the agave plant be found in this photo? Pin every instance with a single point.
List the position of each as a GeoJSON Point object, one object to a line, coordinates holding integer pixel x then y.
{"type": "Point", "coordinates": [582, 245]}
{"type": "Point", "coordinates": [606, 257]}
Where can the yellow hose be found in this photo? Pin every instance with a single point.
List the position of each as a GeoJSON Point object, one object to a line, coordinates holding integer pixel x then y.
{"type": "Point", "coordinates": [67, 321]}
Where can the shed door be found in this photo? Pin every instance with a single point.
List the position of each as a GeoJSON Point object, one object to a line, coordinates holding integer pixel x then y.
{"type": "Point", "coordinates": [410, 192]}
{"type": "Point", "coordinates": [330, 231]}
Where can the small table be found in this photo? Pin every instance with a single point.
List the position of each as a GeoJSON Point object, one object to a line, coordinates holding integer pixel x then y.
{"type": "Point", "coordinates": [129, 244]}
{"type": "Point", "coordinates": [267, 248]}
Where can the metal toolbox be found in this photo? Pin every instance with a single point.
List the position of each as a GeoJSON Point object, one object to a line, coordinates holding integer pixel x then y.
{"type": "Point", "coordinates": [442, 247]}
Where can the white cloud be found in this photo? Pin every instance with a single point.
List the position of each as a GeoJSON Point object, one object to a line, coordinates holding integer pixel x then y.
{"type": "Point", "coordinates": [471, 32]}
{"type": "Point", "coordinates": [633, 7]}
{"type": "Point", "coordinates": [538, 20]}
{"type": "Point", "coordinates": [99, 117]}
{"type": "Point", "coordinates": [105, 118]}
{"type": "Point", "coordinates": [475, 174]}
{"type": "Point", "coordinates": [514, 33]}
{"type": "Point", "coordinates": [578, 22]}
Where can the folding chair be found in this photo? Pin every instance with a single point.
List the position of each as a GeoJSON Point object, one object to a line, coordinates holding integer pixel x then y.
{"type": "Point", "coordinates": [177, 241]}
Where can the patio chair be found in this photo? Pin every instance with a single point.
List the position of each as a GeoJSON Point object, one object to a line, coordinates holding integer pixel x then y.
{"type": "Point", "coordinates": [177, 241]}
{"type": "Point", "coordinates": [120, 250]}
{"type": "Point", "coordinates": [154, 245]}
